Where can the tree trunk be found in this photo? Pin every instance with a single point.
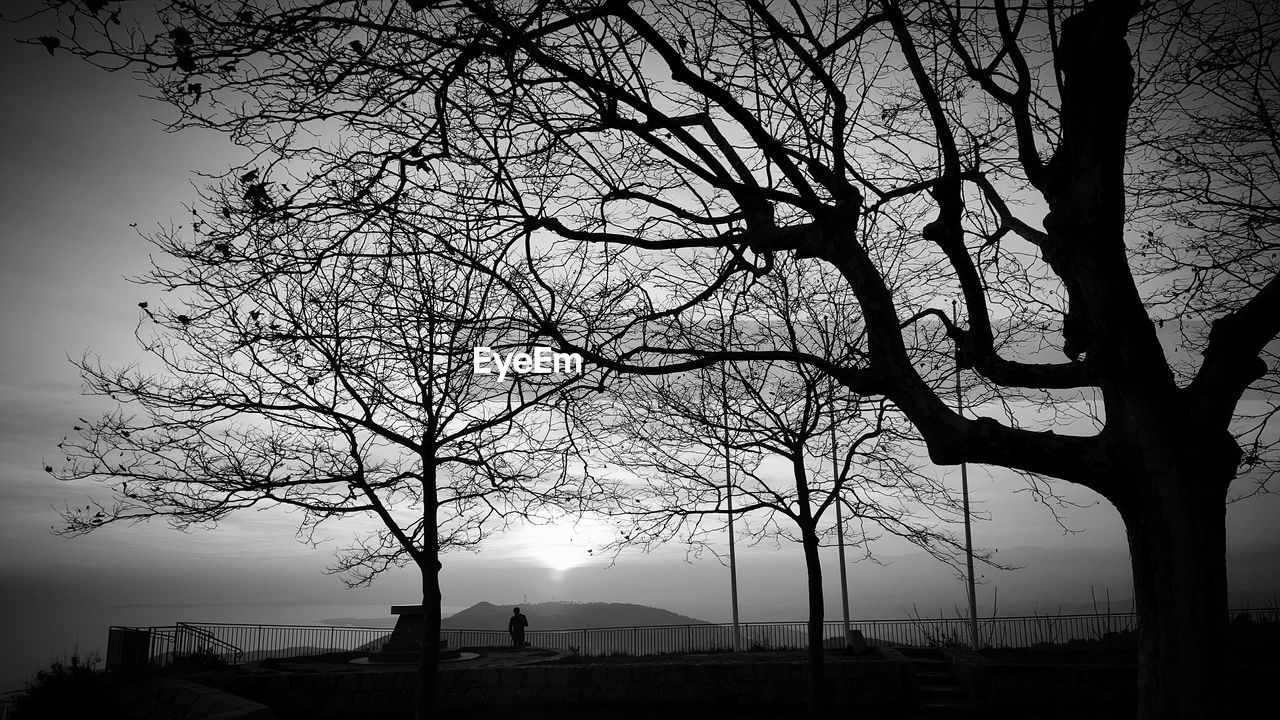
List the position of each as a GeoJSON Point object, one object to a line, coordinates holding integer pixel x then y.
{"type": "Point", "coordinates": [813, 571]}
{"type": "Point", "coordinates": [429, 663]}
{"type": "Point", "coordinates": [813, 568]}
{"type": "Point", "coordinates": [429, 566]}
{"type": "Point", "coordinates": [1177, 546]}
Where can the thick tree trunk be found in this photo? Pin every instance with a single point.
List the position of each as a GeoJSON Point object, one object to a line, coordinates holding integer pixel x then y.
{"type": "Point", "coordinates": [1172, 497]}
{"type": "Point", "coordinates": [429, 664]}
{"type": "Point", "coordinates": [1177, 545]}
{"type": "Point", "coordinates": [813, 568]}
{"type": "Point", "coordinates": [1172, 466]}
{"type": "Point", "coordinates": [429, 566]}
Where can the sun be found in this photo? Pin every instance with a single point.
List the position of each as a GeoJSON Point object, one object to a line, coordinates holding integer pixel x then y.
{"type": "Point", "coordinates": [554, 547]}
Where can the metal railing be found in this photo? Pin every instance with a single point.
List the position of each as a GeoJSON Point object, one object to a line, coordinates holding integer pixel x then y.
{"type": "Point", "coordinates": [136, 649]}
{"type": "Point", "coordinates": [230, 643]}
{"type": "Point", "coordinates": [193, 642]}
{"type": "Point", "coordinates": [7, 702]}
{"type": "Point", "coordinates": [208, 644]}
{"type": "Point", "coordinates": [259, 642]}
{"type": "Point", "coordinates": [1006, 632]}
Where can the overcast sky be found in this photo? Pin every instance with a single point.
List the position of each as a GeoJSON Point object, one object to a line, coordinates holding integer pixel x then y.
{"type": "Point", "coordinates": [83, 160]}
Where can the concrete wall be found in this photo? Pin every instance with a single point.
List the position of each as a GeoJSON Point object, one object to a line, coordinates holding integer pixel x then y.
{"type": "Point", "coordinates": [166, 697]}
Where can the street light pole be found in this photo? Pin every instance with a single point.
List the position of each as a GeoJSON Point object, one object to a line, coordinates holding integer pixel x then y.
{"type": "Point", "coordinates": [728, 485]}
{"type": "Point", "coordinates": [835, 469]}
{"type": "Point", "coordinates": [964, 490]}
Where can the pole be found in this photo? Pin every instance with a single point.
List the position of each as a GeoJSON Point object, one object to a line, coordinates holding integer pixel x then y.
{"type": "Point", "coordinates": [968, 530]}
{"type": "Point", "coordinates": [835, 469]}
{"type": "Point", "coordinates": [728, 485]}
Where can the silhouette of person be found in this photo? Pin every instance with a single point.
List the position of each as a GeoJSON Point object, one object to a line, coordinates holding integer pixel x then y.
{"type": "Point", "coordinates": [516, 626]}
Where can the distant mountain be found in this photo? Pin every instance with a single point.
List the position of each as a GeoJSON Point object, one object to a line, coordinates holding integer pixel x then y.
{"type": "Point", "coordinates": [388, 621]}
{"type": "Point", "coordinates": [566, 616]}
{"type": "Point", "coordinates": [543, 616]}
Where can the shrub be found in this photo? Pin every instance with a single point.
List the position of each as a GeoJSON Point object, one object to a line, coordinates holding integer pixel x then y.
{"type": "Point", "coordinates": [199, 658]}
{"type": "Point", "coordinates": [74, 689]}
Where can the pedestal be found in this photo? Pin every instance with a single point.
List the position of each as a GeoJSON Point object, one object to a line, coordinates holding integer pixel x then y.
{"type": "Point", "coordinates": [405, 643]}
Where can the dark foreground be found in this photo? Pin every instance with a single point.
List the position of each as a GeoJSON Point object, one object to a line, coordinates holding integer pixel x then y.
{"type": "Point", "coordinates": [533, 684]}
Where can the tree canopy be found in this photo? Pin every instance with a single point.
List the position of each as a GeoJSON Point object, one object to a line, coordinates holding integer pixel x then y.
{"type": "Point", "coordinates": [1085, 178]}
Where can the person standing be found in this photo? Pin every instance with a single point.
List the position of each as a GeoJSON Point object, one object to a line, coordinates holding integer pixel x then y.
{"type": "Point", "coordinates": [516, 626]}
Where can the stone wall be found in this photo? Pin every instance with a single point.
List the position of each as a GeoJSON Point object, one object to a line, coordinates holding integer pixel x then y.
{"type": "Point", "coordinates": [1004, 686]}
{"type": "Point", "coordinates": [346, 694]}
{"type": "Point", "coordinates": [1010, 688]}
{"type": "Point", "coordinates": [167, 697]}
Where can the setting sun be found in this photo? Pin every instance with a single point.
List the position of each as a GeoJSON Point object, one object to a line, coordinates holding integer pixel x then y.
{"type": "Point", "coordinates": [555, 547]}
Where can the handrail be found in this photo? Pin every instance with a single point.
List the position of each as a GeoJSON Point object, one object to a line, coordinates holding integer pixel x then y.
{"type": "Point", "coordinates": [207, 636]}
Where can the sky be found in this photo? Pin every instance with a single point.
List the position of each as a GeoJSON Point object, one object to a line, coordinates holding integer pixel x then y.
{"type": "Point", "coordinates": [83, 159]}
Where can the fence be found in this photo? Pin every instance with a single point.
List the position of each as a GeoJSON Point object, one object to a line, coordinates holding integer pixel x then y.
{"type": "Point", "coordinates": [136, 648]}
{"type": "Point", "coordinates": [1006, 632]}
{"type": "Point", "coordinates": [226, 643]}
{"type": "Point", "coordinates": [7, 700]}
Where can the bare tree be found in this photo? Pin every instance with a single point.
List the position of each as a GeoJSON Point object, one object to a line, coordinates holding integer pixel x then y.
{"type": "Point", "coordinates": [334, 379]}
{"type": "Point", "coordinates": [1205, 195]}
{"type": "Point", "coordinates": [775, 445]}
{"type": "Point", "coordinates": [923, 151]}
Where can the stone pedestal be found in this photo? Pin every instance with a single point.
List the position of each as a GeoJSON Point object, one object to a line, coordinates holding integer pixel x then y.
{"type": "Point", "coordinates": [405, 643]}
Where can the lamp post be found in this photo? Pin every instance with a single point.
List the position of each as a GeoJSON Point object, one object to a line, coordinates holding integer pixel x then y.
{"type": "Point", "coordinates": [835, 469]}
{"type": "Point", "coordinates": [728, 486]}
{"type": "Point", "coordinates": [964, 490]}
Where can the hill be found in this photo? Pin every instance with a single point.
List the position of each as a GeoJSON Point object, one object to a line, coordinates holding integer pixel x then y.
{"type": "Point", "coordinates": [566, 616]}
{"type": "Point", "coordinates": [386, 622]}
{"type": "Point", "coordinates": [543, 616]}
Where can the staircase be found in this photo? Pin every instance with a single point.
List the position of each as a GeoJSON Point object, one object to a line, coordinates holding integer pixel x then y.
{"type": "Point", "coordinates": [938, 693]}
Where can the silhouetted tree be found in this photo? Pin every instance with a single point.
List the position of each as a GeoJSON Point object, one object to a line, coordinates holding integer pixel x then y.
{"type": "Point", "coordinates": [754, 440]}
{"type": "Point", "coordinates": [337, 379]}
{"type": "Point", "coordinates": [1007, 156]}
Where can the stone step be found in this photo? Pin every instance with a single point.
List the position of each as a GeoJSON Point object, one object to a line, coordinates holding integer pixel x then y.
{"type": "Point", "coordinates": [403, 657]}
